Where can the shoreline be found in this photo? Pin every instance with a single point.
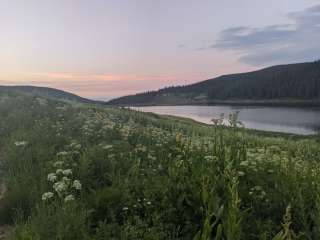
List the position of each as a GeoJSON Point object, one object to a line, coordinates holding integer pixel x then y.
{"type": "Point", "coordinates": [257, 132]}
{"type": "Point", "coordinates": [298, 104]}
{"type": "Point", "coordinates": [248, 130]}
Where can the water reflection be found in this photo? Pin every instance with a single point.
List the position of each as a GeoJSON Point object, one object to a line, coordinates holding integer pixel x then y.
{"type": "Point", "coordinates": [279, 119]}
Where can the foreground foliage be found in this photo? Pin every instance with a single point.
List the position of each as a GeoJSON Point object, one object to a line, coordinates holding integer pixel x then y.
{"type": "Point", "coordinates": [85, 172]}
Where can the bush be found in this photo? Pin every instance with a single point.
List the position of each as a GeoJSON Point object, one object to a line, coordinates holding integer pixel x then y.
{"type": "Point", "coordinates": [53, 222]}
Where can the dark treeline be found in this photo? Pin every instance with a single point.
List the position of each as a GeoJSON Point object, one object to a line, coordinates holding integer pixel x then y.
{"type": "Point", "coordinates": [284, 82]}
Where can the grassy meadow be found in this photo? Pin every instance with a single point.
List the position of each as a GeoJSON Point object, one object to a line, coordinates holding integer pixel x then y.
{"type": "Point", "coordinates": [81, 171]}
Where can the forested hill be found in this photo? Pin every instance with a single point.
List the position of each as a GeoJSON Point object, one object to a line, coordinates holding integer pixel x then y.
{"type": "Point", "coordinates": [292, 82]}
{"type": "Point", "coordinates": [46, 92]}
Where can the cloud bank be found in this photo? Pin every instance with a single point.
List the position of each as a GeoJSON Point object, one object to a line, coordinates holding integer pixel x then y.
{"type": "Point", "coordinates": [297, 41]}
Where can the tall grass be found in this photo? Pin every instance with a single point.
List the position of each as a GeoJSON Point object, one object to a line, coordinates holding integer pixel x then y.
{"type": "Point", "coordinates": [74, 171]}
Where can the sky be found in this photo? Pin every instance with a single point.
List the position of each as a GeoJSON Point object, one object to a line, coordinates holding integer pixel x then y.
{"type": "Point", "coordinates": [103, 49]}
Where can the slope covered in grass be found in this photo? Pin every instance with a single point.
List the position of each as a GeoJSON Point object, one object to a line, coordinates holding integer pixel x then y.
{"type": "Point", "coordinates": [46, 92]}
{"type": "Point", "coordinates": [84, 172]}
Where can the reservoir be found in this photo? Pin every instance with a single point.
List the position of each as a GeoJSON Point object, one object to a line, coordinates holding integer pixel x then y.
{"type": "Point", "coordinates": [277, 119]}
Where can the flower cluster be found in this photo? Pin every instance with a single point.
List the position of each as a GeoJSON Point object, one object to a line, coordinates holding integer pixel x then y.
{"type": "Point", "coordinates": [63, 185]}
{"type": "Point", "coordinates": [20, 143]}
{"type": "Point", "coordinates": [47, 196]}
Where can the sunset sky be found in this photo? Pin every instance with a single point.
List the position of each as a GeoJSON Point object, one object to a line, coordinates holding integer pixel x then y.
{"type": "Point", "coordinates": [108, 48]}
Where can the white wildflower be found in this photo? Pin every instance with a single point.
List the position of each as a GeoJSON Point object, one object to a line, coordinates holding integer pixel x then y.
{"type": "Point", "coordinates": [125, 209]}
{"type": "Point", "coordinates": [58, 164]}
{"type": "Point", "coordinates": [59, 171]}
{"type": "Point", "coordinates": [52, 177]}
{"type": "Point", "coordinates": [47, 196]}
{"type": "Point", "coordinates": [63, 153]}
{"type": "Point", "coordinates": [75, 145]}
{"type": "Point", "coordinates": [59, 187]}
{"type": "Point", "coordinates": [67, 172]}
{"type": "Point", "coordinates": [77, 185]}
{"type": "Point", "coordinates": [209, 158]}
{"type": "Point", "coordinates": [107, 147]}
{"type": "Point", "coordinates": [69, 198]}
{"type": "Point", "coordinates": [21, 143]}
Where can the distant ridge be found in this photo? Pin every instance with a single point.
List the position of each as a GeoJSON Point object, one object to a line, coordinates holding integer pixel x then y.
{"type": "Point", "coordinates": [48, 92]}
{"type": "Point", "coordinates": [291, 83]}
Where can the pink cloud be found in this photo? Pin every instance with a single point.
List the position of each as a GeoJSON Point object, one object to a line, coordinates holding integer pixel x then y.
{"type": "Point", "coordinates": [103, 77]}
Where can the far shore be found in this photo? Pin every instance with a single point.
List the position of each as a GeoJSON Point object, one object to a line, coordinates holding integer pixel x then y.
{"type": "Point", "coordinates": [269, 103]}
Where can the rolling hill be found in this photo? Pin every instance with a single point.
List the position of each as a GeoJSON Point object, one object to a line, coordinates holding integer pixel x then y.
{"type": "Point", "coordinates": [47, 92]}
{"type": "Point", "coordinates": [292, 83]}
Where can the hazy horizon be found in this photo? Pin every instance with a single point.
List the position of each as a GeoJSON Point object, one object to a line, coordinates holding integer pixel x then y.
{"type": "Point", "coordinates": [105, 49]}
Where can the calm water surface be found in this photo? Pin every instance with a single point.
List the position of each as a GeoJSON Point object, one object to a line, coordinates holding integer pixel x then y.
{"type": "Point", "coordinates": [278, 119]}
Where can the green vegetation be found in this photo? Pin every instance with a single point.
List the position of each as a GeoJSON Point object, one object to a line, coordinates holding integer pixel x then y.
{"type": "Point", "coordinates": [47, 93]}
{"type": "Point", "coordinates": [293, 84]}
{"type": "Point", "coordinates": [80, 171]}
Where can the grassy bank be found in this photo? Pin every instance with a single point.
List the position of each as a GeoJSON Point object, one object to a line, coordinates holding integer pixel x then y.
{"type": "Point", "coordinates": [75, 171]}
